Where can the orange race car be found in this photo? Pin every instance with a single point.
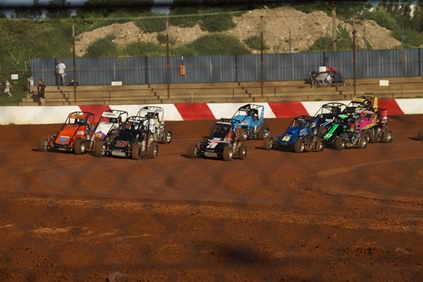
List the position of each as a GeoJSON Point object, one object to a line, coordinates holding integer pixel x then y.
{"type": "Point", "coordinates": [74, 136]}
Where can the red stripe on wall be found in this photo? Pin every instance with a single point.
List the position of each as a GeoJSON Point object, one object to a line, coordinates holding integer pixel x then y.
{"type": "Point", "coordinates": [288, 109]}
{"type": "Point", "coordinates": [195, 111]}
{"type": "Point", "coordinates": [97, 110]}
{"type": "Point", "coordinates": [391, 105]}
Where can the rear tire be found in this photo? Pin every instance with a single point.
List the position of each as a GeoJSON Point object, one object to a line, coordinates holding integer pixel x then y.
{"type": "Point", "coordinates": [154, 150]}
{"type": "Point", "coordinates": [388, 135]}
{"type": "Point", "coordinates": [79, 146]}
{"type": "Point", "coordinates": [299, 146]}
{"type": "Point", "coordinates": [42, 145]}
{"type": "Point", "coordinates": [268, 143]}
{"type": "Point", "coordinates": [242, 152]}
{"type": "Point", "coordinates": [363, 141]}
{"type": "Point", "coordinates": [136, 151]}
{"type": "Point", "coordinates": [167, 137]}
{"type": "Point", "coordinates": [319, 145]}
{"type": "Point", "coordinates": [340, 143]}
{"type": "Point", "coordinates": [244, 135]}
{"type": "Point", "coordinates": [227, 153]}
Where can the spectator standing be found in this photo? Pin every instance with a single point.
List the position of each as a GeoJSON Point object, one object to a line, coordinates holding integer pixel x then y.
{"type": "Point", "coordinates": [60, 73]}
{"type": "Point", "coordinates": [41, 92]}
{"type": "Point", "coordinates": [7, 89]}
{"type": "Point", "coordinates": [31, 84]}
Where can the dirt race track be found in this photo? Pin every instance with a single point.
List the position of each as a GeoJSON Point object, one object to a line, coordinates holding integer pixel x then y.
{"type": "Point", "coordinates": [351, 215]}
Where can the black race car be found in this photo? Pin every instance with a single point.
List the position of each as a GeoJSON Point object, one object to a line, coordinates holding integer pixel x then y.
{"type": "Point", "coordinates": [134, 140]}
{"type": "Point", "coordinates": [224, 142]}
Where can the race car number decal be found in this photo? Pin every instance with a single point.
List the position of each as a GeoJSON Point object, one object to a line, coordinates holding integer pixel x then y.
{"type": "Point", "coordinates": [286, 138]}
{"type": "Point", "coordinates": [212, 145]}
{"type": "Point", "coordinates": [121, 143]}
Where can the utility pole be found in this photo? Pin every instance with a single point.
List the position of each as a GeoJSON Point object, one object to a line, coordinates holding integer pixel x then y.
{"type": "Point", "coordinates": [354, 32]}
{"type": "Point", "coordinates": [333, 26]}
{"type": "Point", "coordinates": [261, 56]}
{"type": "Point", "coordinates": [74, 62]}
{"type": "Point", "coordinates": [167, 59]}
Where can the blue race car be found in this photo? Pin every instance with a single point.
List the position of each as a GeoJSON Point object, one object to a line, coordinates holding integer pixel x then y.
{"type": "Point", "coordinates": [301, 136]}
{"type": "Point", "coordinates": [250, 117]}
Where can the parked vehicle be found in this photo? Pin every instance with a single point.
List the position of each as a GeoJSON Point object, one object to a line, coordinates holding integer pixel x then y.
{"type": "Point", "coordinates": [250, 117]}
{"type": "Point", "coordinates": [326, 76]}
{"type": "Point", "coordinates": [224, 142]}
{"type": "Point", "coordinates": [74, 135]}
{"type": "Point", "coordinates": [154, 116]}
{"type": "Point", "coordinates": [301, 136]}
{"type": "Point", "coordinates": [107, 127]}
{"type": "Point", "coordinates": [134, 140]}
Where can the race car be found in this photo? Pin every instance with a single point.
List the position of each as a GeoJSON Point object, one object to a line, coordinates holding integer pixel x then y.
{"type": "Point", "coordinates": [134, 140]}
{"type": "Point", "coordinates": [107, 127]}
{"type": "Point", "coordinates": [224, 142]}
{"type": "Point", "coordinates": [154, 117]}
{"type": "Point", "coordinates": [74, 135]}
{"type": "Point", "coordinates": [346, 133]}
{"type": "Point", "coordinates": [326, 115]}
{"type": "Point", "coordinates": [250, 117]}
{"type": "Point", "coordinates": [375, 125]}
{"type": "Point", "coordinates": [301, 136]}
{"type": "Point", "coordinates": [360, 103]}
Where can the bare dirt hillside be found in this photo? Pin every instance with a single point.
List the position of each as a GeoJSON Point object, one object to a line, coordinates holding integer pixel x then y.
{"type": "Point", "coordinates": [284, 29]}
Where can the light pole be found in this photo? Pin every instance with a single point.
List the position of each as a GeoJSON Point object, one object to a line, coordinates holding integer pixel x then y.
{"type": "Point", "coordinates": [261, 57]}
{"type": "Point", "coordinates": [354, 32]}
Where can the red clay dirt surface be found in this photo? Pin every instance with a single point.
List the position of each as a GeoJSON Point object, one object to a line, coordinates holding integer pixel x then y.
{"type": "Point", "coordinates": [351, 215]}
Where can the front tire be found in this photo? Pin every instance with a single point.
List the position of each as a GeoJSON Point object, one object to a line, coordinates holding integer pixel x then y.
{"type": "Point", "coordinates": [167, 137]}
{"type": "Point", "coordinates": [227, 153]}
{"type": "Point", "coordinates": [363, 141]}
{"type": "Point", "coordinates": [136, 151]}
{"type": "Point", "coordinates": [388, 135]}
{"type": "Point", "coordinates": [99, 148]}
{"type": "Point", "coordinates": [268, 143]}
{"type": "Point", "coordinates": [154, 150]}
{"type": "Point", "coordinates": [42, 145]}
{"type": "Point", "coordinates": [242, 152]}
{"type": "Point", "coordinates": [80, 146]}
{"type": "Point", "coordinates": [193, 152]}
{"type": "Point", "coordinates": [340, 143]}
{"type": "Point", "coordinates": [299, 146]}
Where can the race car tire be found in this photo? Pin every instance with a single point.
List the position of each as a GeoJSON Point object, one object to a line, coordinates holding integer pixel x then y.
{"type": "Point", "coordinates": [268, 143]}
{"type": "Point", "coordinates": [167, 137]}
{"type": "Point", "coordinates": [363, 141]}
{"type": "Point", "coordinates": [340, 143]}
{"type": "Point", "coordinates": [388, 135]}
{"type": "Point", "coordinates": [322, 131]}
{"type": "Point", "coordinates": [319, 145]}
{"type": "Point", "coordinates": [154, 150]}
{"type": "Point", "coordinates": [299, 146]}
{"type": "Point", "coordinates": [99, 148]}
{"type": "Point", "coordinates": [42, 145]}
{"type": "Point", "coordinates": [227, 153]}
{"type": "Point", "coordinates": [242, 152]}
{"type": "Point", "coordinates": [420, 134]}
{"type": "Point", "coordinates": [80, 146]}
{"type": "Point", "coordinates": [244, 135]}
{"type": "Point", "coordinates": [263, 133]}
{"type": "Point", "coordinates": [136, 151]}
{"type": "Point", "coordinates": [193, 152]}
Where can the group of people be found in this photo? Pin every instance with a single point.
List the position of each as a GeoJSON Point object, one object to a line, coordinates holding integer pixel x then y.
{"type": "Point", "coordinates": [60, 74]}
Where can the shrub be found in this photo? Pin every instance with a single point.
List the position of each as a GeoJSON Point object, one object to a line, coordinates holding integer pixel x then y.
{"type": "Point", "coordinates": [254, 42]}
{"type": "Point", "coordinates": [104, 47]}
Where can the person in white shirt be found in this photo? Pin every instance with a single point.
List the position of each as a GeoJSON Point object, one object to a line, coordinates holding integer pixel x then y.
{"type": "Point", "coordinates": [60, 73]}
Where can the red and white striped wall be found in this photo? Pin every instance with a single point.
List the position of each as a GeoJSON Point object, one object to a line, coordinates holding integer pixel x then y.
{"type": "Point", "coordinates": [202, 111]}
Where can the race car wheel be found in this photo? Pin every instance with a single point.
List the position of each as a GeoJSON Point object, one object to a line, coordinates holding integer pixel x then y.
{"type": "Point", "coordinates": [263, 133]}
{"type": "Point", "coordinates": [268, 143]}
{"type": "Point", "coordinates": [227, 153]}
{"type": "Point", "coordinates": [322, 131]}
{"type": "Point", "coordinates": [136, 151]}
{"type": "Point", "coordinates": [319, 145]}
{"type": "Point", "coordinates": [299, 146]}
{"type": "Point", "coordinates": [388, 135]}
{"type": "Point", "coordinates": [244, 135]}
{"type": "Point", "coordinates": [340, 143]}
{"type": "Point", "coordinates": [42, 145]}
{"type": "Point", "coordinates": [167, 137]}
{"type": "Point", "coordinates": [99, 148]}
{"type": "Point", "coordinates": [420, 134]}
{"type": "Point", "coordinates": [363, 141]}
{"type": "Point", "coordinates": [154, 150]}
{"type": "Point", "coordinates": [242, 152]}
{"type": "Point", "coordinates": [80, 147]}
{"type": "Point", "coordinates": [193, 152]}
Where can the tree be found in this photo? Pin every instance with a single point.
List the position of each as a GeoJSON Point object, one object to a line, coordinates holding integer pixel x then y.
{"type": "Point", "coordinates": [57, 9]}
{"type": "Point", "coordinates": [34, 12]}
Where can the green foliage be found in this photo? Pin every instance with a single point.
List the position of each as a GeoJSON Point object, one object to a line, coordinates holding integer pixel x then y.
{"type": "Point", "coordinates": [141, 49]}
{"type": "Point", "coordinates": [184, 16]}
{"type": "Point", "coordinates": [161, 38]}
{"type": "Point", "coordinates": [217, 20]}
{"type": "Point", "coordinates": [104, 47]}
{"type": "Point", "coordinates": [343, 43]}
{"type": "Point", "coordinates": [151, 22]}
{"type": "Point", "coordinates": [254, 42]}
{"type": "Point", "coordinates": [215, 44]}
{"type": "Point", "coordinates": [382, 17]}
